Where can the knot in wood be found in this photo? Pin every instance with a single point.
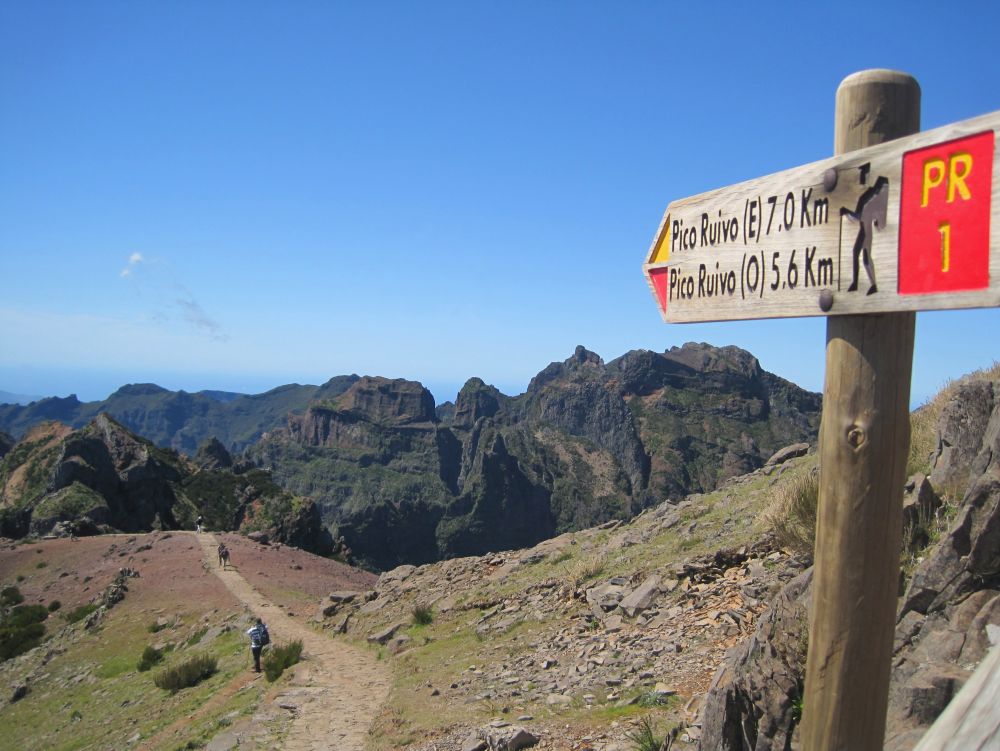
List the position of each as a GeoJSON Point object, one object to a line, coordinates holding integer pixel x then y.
{"type": "Point", "coordinates": [856, 436]}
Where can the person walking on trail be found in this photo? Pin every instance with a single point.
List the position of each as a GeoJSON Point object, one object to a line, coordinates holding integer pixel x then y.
{"type": "Point", "coordinates": [199, 522]}
{"type": "Point", "coordinates": [223, 554]}
{"type": "Point", "coordinates": [259, 638]}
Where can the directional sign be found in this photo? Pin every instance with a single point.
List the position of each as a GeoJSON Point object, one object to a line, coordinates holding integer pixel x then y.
{"type": "Point", "coordinates": [911, 224]}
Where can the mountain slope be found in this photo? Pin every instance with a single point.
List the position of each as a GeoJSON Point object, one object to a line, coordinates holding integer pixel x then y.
{"type": "Point", "coordinates": [586, 443]}
{"type": "Point", "coordinates": [104, 478]}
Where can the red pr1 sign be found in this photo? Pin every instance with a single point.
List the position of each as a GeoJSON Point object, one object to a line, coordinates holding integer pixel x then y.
{"type": "Point", "coordinates": [944, 219]}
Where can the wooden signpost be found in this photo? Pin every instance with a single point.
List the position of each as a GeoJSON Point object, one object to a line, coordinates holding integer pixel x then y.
{"type": "Point", "coordinates": [894, 223]}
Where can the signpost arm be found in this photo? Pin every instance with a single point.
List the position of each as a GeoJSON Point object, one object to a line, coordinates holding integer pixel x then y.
{"type": "Point", "coordinates": [864, 443]}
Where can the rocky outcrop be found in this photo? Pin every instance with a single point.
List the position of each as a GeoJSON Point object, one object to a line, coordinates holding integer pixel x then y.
{"type": "Point", "coordinates": [104, 478]}
{"type": "Point", "coordinates": [941, 632]}
{"type": "Point", "coordinates": [387, 402]}
{"type": "Point", "coordinates": [212, 455]}
{"type": "Point", "coordinates": [751, 702]}
{"type": "Point", "coordinates": [475, 401]}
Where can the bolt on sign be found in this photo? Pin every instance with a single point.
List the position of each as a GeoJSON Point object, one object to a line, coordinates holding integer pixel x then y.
{"type": "Point", "coordinates": [911, 224]}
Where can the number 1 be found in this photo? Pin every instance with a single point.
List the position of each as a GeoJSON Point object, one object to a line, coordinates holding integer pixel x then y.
{"type": "Point", "coordinates": [945, 229]}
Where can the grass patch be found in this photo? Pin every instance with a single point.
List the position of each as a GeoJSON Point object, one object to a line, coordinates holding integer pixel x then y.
{"type": "Point", "coordinates": [793, 512]}
{"type": "Point", "coordinates": [78, 614]}
{"type": "Point", "coordinates": [197, 636]}
{"type": "Point", "coordinates": [280, 658]}
{"type": "Point", "coordinates": [187, 674]}
{"type": "Point", "coordinates": [423, 615]}
{"type": "Point", "coordinates": [646, 738]}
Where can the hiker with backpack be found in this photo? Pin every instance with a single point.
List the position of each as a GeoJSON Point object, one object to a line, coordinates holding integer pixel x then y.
{"type": "Point", "coordinates": [259, 638]}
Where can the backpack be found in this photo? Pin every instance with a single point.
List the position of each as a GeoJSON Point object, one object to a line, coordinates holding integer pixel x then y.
{"type": "Point", "coordinates": [259, 636]}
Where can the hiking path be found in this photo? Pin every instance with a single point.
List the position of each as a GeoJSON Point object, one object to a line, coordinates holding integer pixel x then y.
{"type": "Point", "coordinates": [333, 694]}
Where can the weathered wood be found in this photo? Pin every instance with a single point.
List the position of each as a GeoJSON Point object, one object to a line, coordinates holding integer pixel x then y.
{"type": "Point", "coordinates": [752, 229]}
{"type": "Point", "coordinates": [971, 722]}
{"type": "Point", "coordinates": [864, 442]}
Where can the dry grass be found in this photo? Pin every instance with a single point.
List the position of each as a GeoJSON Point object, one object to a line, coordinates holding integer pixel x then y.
{"type": "Point", "coordinates": [791, 516]}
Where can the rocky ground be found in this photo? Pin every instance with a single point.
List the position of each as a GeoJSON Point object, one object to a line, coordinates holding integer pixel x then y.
{"type": "Point", "coordinates": [578, 638]}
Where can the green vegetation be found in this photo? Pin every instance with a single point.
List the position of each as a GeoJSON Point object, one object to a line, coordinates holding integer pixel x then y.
{"type": "Point", "coordinates": [422, 615]}
{"type": "Point", "coordinates": [645, 738]}
{"type": "Point", "coordinates": [150, 657]}
{"type": "Point", "coordinates": [11, 596]}
{"type": "Point", "coordinates": [21, 629]}
{"type": "Point", "coordinates": [187, 674]}
{"type": "Point", "coordinates": [54, 606]}
{"type": "Point", "coordinates": [281, 657]}
{"type": "Point", "coordinates": [78, 614]}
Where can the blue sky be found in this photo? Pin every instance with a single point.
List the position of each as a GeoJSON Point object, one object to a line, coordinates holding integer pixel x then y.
{"type": "Point", "coordinates": [236, 195]}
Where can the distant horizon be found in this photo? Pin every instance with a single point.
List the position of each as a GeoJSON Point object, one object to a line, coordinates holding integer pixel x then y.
{"type": "Point", "coordinates": [247, 385]}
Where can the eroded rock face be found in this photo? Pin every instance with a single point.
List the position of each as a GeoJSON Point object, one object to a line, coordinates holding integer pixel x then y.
{"type": "Point", "coordinates": [750, 704]}
{"type": "Point", "coordinates": [588, 441]}
{"type": "Point", "coordinates": [213, 455]}
{"type": "Point", "coordinates": [941, 631]}
{"type": "Point", "coordinates": [387, 402]}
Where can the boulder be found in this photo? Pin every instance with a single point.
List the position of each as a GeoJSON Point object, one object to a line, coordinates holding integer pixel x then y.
{"type": "Point", "coordinates": [642, 597]}
{"type": "Point", "coordinates": [788, 452]}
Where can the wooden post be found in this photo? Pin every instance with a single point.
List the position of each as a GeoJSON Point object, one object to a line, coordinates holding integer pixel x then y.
{"type": "Point", "coordinates": [864, 443]}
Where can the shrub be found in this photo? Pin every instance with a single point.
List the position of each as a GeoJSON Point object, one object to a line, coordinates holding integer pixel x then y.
{"type": "Point", "coordinates": [22, 615]}
{"type": "Point", "coordinates": [11, 596]}
{"type": "Point", "coordinates": [422, 615]}
{"type": "Point", "coordinates": [792, 514]}
{"type": "Point", "coordinates": [16, 640]}
{"type": "Point", "coordinates": [41, 564]}
{"type": "Point", "coordinates": [189, 673]}
{"type": "Point", "coordinates": [78, 614]}
{"type": "Point", "coordinates": [155, 627]}
{"type": "Point", "coordinates": [281, 657]}
{"type": "Point", "coordinates": [150, 656]}
{"type": "Point", "coordinates": [54, 606]}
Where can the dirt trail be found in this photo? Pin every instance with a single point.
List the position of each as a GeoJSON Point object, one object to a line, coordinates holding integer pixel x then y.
{"type": "Point", "coordinates": [337, 689]}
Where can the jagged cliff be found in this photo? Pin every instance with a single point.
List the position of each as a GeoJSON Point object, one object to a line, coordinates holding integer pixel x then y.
{"type": "Point", "coordinates": [587, 442]}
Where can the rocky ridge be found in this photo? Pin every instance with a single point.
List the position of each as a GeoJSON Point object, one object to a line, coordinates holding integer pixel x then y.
{"type": "Point", "coordinates": [587, 442]}
{"type": "Point", "coordinates": [952, 597]}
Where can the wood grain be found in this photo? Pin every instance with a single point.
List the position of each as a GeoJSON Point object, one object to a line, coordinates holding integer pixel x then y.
{"type": "Point", "coordinates": [864, 443]}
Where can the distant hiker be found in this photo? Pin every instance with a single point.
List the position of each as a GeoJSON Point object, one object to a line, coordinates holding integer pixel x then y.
{"type": "Point", "coordinates": [199, 522]}
{"type": "Point", "coordinates": [259, 638]}
{"type": "Point", "coordinates": [223, 555]}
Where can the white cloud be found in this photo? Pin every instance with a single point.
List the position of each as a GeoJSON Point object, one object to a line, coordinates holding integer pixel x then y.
{"type": "Point", "coordinates": [154, 282]}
